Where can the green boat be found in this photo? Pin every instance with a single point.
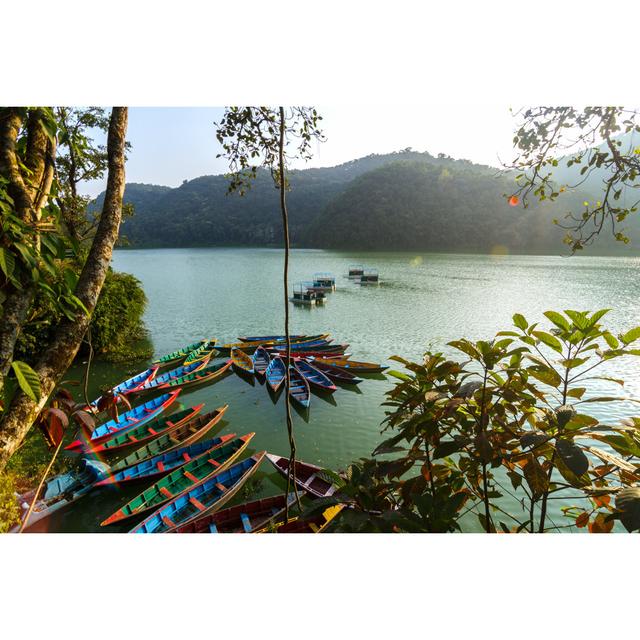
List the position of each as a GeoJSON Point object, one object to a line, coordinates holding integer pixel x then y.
{"type": "Point", "coordinates": [202, 376]}
{"type": "Point", "coordinates": [205, 350]}
{"type": "Point", "coordinates": [186, 434]}
{"type": "Point", "coordinates": [179, 354]}
{"type": "Point", "coordinates": [145, 432]}
{"type": "Point", "coordinates": [182, 479]}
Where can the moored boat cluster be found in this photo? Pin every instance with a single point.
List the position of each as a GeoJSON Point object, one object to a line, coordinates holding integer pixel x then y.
{"type": "Point", "coordinates": [189, 476]}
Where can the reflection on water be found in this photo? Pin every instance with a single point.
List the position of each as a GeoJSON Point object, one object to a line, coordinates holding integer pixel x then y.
{"type": "Point", "coordinates": [424, 301]}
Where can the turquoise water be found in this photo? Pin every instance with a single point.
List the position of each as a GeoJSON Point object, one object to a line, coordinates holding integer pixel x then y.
{"type": "Point", "coordinates": [422, 302]}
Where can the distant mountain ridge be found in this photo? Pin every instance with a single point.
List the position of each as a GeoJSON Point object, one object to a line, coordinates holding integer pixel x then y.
{"type": "Point", "coordinates": [404, 200]}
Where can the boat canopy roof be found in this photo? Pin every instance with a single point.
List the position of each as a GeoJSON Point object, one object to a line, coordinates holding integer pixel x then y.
{"type": "Point", "coordinates": [323, 275]}
{"type": "Point", "coordinates": [370, 272]}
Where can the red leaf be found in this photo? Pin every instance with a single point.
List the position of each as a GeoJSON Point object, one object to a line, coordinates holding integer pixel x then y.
{"type": "Point", "coordinates": [513, 201]}
{"type": "Point", "coordinates": [84, 420]}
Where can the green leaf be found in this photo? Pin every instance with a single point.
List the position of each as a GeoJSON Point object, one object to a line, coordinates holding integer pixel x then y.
{"type": "Point", "coordinates": [573, 456]}
{"type": "Point", "coordinates": [7, 262]}
{"type": "Point", "coordinates": [631, 336]}
{"type": "Point", "coordinates": [549, 340]}
{"type": "Point", "coordinates": [445, 449]}
{"type": "Point", "coordinates": [398, 374]}
{"type": "Point", "coordinates": [578, 318]}
{"type": "Point", "coordinates": [612, 341]}
{"type": "Point", "coordinates": [546, 375]}
{"type": "Point", "coordinates": [27, 379]}
{"type": "Point", "coordinates": [576, 392]}
{"type": "Point", "coordinates": [466, 347]}
{"type": "Point", "coordinates": [628, 503]}
{"type": "Point", "coordinates": [520, 321]}
{"type": "Point", "coordinates": [558, 319]}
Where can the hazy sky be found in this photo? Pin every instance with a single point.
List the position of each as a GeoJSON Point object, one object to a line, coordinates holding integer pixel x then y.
{"type": "Point", "coordinates": [175, 144]}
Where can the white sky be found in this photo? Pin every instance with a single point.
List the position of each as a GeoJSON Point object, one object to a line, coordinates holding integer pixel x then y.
{"type": "Point", "coordinates": [178, 143]}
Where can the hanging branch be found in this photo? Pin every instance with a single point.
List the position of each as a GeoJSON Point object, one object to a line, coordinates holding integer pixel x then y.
{"type": "Point", "coordinates": [254, 137]}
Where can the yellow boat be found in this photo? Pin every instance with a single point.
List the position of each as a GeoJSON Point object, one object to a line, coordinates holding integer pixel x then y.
{"type": "Point", "coordinates": [353, 366]}
{"type": "Point", "coordinates": [241, 360]}
{"type": "Point", "coordinates": [315, 524]}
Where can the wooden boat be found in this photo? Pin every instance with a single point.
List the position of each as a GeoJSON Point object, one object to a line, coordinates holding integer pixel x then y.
{"type": "Point", "coordinates": [159, 382]}
{"type": "Point", "coordinates": [335, 350]}
{"type": "Point", "coordinates": [368, 276]}
{"type": "Point", "coordinates": [261, 361]}
{"type": "Point", "coordinates": [61, 490]}
{"type": "Point", "coordinates": [336, 374]}
{"type": "Point", "coordinates": [135, 417]}
{"type": "Point", "coordinates": [301, 346]}
{"type": "Point", "coordinates": [204, 352]}
{"type": "Point", "coordinates": [243, 518]}
{"type": "Point", "coordinates": [178, 355]}
{"type": "Point", "coordinates": [241, 361]}
{"type": "Point", "coordinates": [324, 282]}
{"type": "Point", "coordinates": [158, 466]}
{"type": "Point", "coordinates": [130, 385]}
{"type": "Point", "coordinates": [314, 524]}
{"type": "Point", "coordinates": [351, 365]}
{"type": "Point", "coordinates": [314, 376]}
{"type": "Point", "coordinates": [275, 373]}
{"type": "Point", "coordinates": [187, 432]}
{"type": "Point", "coordinates": [308, 476]}
{"type": "Point", "coordinates": [262, 339]}
{"type": "Point", "coordinates": [299, 387]}
{"type": "Point", "coordinates": [206, 497]}
{"type": "Point", "coordinates": [202, 376]}
{"type": "Point", "coordinates": [144, 433]}
{"type": "Point", "coordinates": [250, 347]}
{"type": "Point", "coordinates": [183, 479]}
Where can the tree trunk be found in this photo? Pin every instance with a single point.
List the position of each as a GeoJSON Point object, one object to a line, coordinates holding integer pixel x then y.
{"type": "Point", "coordinates": [67, 339]}
{"type": "Point", "coordinates": [29, 193]}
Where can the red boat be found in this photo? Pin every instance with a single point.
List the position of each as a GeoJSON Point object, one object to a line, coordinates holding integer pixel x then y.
{"type": "Point", "coordinates": [243, 518]}
{"type": "Point", "coordinates": [308, 476]}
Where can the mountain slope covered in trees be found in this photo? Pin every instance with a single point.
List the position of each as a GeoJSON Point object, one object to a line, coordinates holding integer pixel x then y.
{"type": "Point", "coordinates": [400, 201]}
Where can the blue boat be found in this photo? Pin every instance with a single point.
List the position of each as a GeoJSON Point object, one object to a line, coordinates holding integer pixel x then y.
{"type": "Point", "coordinates": [299, 387]}
{"type": "Point", "coordinates": [205, 497]}
{"type": "Point", "coordinates": [275, 373]}
{"type": "Point", "coordinates": [135, 417]}
{"type": "Point", "coordinates": [270, 338]}
{"type": "Point", "coordinates": [314, 376]}
{"type": "Point", "coordinates": [261, 361]}
{"type": "Point", "coordinates": [130, 385]}
{"type": "Point", "coordinates": [159, 465]}
{"type": "Point", "coordinates": [178, 372]}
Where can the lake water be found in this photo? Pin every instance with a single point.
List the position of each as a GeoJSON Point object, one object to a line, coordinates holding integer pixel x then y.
{"type": "Point", "coordinates": [423, 302]}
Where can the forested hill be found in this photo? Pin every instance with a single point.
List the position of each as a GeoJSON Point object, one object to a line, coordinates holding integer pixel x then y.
{"type": "Point", "coordinates": [405, 200]}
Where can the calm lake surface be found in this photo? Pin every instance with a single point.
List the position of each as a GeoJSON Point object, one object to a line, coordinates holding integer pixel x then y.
{"type": "Point", "coordinates": [423, 302]}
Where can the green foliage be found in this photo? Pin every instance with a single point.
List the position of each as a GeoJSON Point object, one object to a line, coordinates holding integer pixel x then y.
{"type": "Point", "coordinates": [564, 147]}
{"type": "Point", "coordinates": [27, 379]}
{"type": "Point", "coordinates": [117, 319]}
{"type": "Point", "coordinates": [9, 508]}
{"type": "Point", "coordinates": [401, 197]}
{"type": "Point", "coordinates": [115, 327]}
{"type": "Point", "coordinates": [507, 419]}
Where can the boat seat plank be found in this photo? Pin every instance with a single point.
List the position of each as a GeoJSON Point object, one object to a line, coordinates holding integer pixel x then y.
{"type": "Point", "coordinates": [165, 492]}
{"type": "Point", "coordinates": [197, 504]}
{"type": "Point", "coordinates": [153, 432]}
{"type": "Point", "coordinates": [191, 477]}
{"type": "Point", "coordinates": [160, 465]}
{"type": "Point", "coordinates": [168, 522]}
{"type": "Point", "coordinates": [220, 486]}
{"type": "Point", "coordinates": [186, 456]}
{"type": "Point", "coordinates": [246, 523]}
{"type": "Point", "coordinates": [213, 528]}
{"type": "Point", "coordinates": [215, 463]}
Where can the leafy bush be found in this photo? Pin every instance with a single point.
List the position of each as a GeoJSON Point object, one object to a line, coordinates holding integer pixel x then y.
{"type": "Point", "coordinates": [117, 319]}
{"type": "Point", "coordinates": [509, 419]}
{"type": "Point", "coordinates": [9, 509]}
